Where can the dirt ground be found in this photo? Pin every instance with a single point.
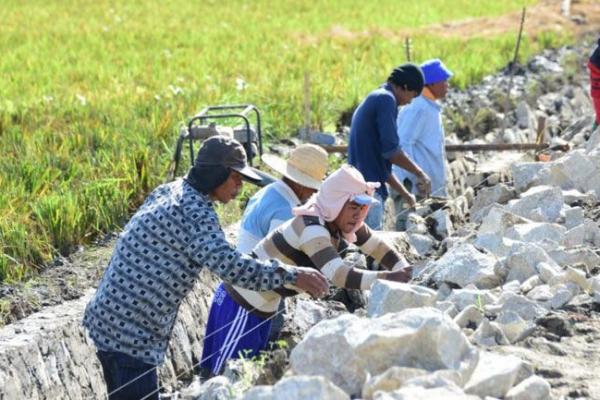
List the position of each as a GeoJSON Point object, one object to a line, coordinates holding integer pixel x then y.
{"type": "Point", "coordinates": [565, 350]}
{"type": "Point", "coordinates": [583, 19]}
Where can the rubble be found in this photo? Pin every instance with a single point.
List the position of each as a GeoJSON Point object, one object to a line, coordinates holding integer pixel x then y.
{"type": "Point", "coordinates": [347, 349]}
{"type": "Point", "coordinates": [387, 297]}
{"type": "Point", "coordinates": [509, 266]}
{"type": "Point", "coordinates": [464, 265]}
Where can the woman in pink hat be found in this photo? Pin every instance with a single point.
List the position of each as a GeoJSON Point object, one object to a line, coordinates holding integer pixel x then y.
{"type": "Point", "coordinates": [314, 237]}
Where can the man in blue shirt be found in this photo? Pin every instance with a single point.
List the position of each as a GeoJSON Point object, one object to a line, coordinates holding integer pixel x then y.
{"type": "Point", "coordinates": [374, 144]}
{"type": "Point", "coordinates": [421, 135]}
{"type": "Point", "coordinates": [271, 206]}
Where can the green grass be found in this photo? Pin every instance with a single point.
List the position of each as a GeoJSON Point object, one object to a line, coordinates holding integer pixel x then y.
{"type": "Point", "coordinates": [92, 92]}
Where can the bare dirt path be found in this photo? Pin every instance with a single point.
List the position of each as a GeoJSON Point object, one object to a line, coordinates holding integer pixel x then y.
{"type": "Point", "coordinates": [583, 19]}
{"type": "Point", "coordinates": [565, 351]}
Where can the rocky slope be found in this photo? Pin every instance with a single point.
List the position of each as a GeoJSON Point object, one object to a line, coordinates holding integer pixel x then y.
{"type": "Point", "coordinates": [502, 304]}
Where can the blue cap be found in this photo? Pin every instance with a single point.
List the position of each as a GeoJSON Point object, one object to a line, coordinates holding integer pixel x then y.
{"type": "Point", "coordinates": [435, 71]}
{"type": "Point", "coordinates": [363, 199]}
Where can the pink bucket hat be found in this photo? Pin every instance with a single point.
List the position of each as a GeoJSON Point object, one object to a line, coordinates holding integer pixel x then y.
{"type": "Point", "coordinates": [347, 183]}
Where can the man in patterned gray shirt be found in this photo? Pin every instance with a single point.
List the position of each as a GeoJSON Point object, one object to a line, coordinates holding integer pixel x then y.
{"type": "Point", "coordinates": [157, 260]}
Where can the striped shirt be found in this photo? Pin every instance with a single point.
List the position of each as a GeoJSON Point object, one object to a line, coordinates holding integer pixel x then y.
{"type": "Point", "coordinates": [156, 262]}
{"type": "Point", "coordinates": [306, 241]}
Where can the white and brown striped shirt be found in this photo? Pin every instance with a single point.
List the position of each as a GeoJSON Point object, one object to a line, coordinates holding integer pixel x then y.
{"type": "Point", "coordinates": [306, 241]}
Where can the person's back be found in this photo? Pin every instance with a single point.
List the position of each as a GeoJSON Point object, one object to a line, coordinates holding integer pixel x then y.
{"type": "Point", "coordinates": [421, 132]}
{"type": "Point", "coordinates": [267, 209]}
{"type": "Point", "coordinates": [368, 144]}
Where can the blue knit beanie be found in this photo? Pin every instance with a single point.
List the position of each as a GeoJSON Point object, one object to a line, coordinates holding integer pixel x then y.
{"type": "Point", "coordinates": [435, 71]}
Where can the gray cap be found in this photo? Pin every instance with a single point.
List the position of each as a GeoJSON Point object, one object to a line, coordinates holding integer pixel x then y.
{"type": "Point", "coordinates": [227, 152]}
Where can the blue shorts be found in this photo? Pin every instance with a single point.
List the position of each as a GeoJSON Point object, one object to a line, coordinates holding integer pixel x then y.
{"type": "Point", "coordinates": [231, 332]}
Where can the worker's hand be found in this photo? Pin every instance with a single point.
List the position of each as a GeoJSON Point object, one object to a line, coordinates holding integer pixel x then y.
{"type": "Point", "coordinates": [424, 184]}
{"type": "Point", "coordinates": [312, 281]}
{"type": "Point", "coordinates": [403, 275]}
{"type": "Point", "coordinates": [410, 200]}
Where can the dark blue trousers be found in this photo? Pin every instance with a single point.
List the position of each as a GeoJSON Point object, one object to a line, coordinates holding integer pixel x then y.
{"type": "Point", "coordinates": [121, 369]}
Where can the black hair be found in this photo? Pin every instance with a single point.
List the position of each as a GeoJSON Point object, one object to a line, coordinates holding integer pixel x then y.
{"type": "Point", "coordinates": [207, 177]}
{"type": "Point", "coordinates": [408, 76]}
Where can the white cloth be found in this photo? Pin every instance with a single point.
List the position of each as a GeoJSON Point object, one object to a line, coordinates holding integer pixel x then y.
{"type": "Point", "coordinates": [421, 135]}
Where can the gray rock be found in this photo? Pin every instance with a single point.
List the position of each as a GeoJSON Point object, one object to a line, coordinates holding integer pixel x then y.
{"type": "Point", "coordinates": [494, 376]}
{"type": "Point", "coordinates": [470, 316]}
{"type": "Point", "coordinates": [392, 379]}
{"type": "Point", "coordinates": [525, 308]}
{"type": "Point", "coordinates": [464, 264]}
{"type": "Point", "coordinates": [530, 283]}
{"type": "Point", "coordinates": [388, 297]}
{"type": "Point", "coordinates": [422, 244]}
{"type": "Point", "coordinates": [537, 232]}
{"type": "Point", "coordinates": [574, 236]}
{"type": "Point", "coordinates": [417, 393]}
{"type": "Point", "coordinates": [462, 298]}
{"type": "Point", "coordinates": [496, 244]}
{"type": "Point", "coordinates": [540, 203]}
{"type": "Point", "coordinates": [217, 388]}
{"type": "Point", "coordinates": [532, 388]}
{"type": "Point", "coordinates": [525, 174]}
{"type": "Point", "coordinates": [513, 326]}
{"type": "Point", "coordinates": [443, 226]}
{"type": "Point", "coordinates": [346, 349]}
{"type": "Point", "coordinates": [547, 271]}
{"type": "Point", "coordinates": [498, 220]}
{"type": "Point", "coordinates": [489, 334]}
{"type": "Point", "coordinates": [485, 197]}
{"type": "Point", "coordinates": [415, 224]}
{"type": "Point", "coordinates": [298, 388]}
{"type": "Point", "coordinates": [577, 255]}
{"type": "Point", "coordinates": [447, 307]}
{"type": "Point", "coordinates": [523, 260]}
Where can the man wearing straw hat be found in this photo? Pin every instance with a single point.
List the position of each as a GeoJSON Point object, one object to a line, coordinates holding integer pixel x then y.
{"type": "Point", "coordinates": [271, 206]}
{"type": "Point", "coordinates": [157, 260]}
{"type": "Point", "coordinates": [330, 218]}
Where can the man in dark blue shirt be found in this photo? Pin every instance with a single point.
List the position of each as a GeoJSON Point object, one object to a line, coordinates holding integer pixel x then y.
{"type": "Point", "coordinates": [374, 144]}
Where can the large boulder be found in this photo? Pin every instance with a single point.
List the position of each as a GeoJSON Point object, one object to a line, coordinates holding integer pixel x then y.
{"type": "Point", "coordinates": [576, 255]}
{"type": "Point", "coordinates": [464, 264]}
{"type": "Point", "coordinates": [532, 388]}
{"type": "Point", "coordinates": [494, 376]}
{"type": "Point", "coordinates": [347, 349]}
{"type": "Point", "coordinates": [388, 296]}
{"type": "Point", "coordinates": [298, 388]}
{"type": "Point", "coordinates": [462, 298]}
{"type": "Point", "coordinates": [523, 259]}
{"type": "Point", "coordinates": [537, 232]}
{"type": "Point", "coordinates": [521, 305]}
{"type": "Point", "coordinates": [513, 326]}
{"type": "Point", "coordinates": [496, 244]}
{"type": "Point", "coordinates": [417, 393]}
{"type": "Point", "coordinates": [487, 196]}
{"type": "Point", "coordinates": [498, 220]}
{"type": "Point", "coordinates": [524, 174]}
{"type": "Point", "coordinates": [540, 203]}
